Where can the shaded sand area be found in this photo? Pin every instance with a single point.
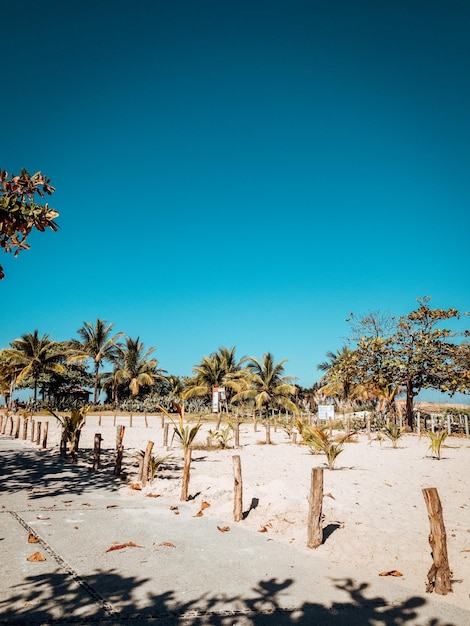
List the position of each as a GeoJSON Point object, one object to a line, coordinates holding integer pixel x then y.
{"type": "Point", "coordinates": [186, 568]}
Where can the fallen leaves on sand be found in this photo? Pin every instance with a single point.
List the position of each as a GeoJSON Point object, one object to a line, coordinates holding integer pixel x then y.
{"type": "Point", "coordinates": [120, 546]}
{"type": "Point", "coordinates": [464, 550]}
{"type": "Point", "coordinates": [204, 505]}
{"type": "Point", "coordinates": [168, 544]}
{"type": "Point", "coordinates": [112, 506]}
{"type": "Point", "coordinates": [223, 529]}
{"type": "Point", "coordinates": [41, 517]}
{"type": "Point", "coordinates": [265, 527]}
{"type": "Point", "coordinates": [67, 501]}
{"type": "Point", "coordinates": [174, 509]}
{"type": "Point", "coordinates": [392, 572]}
{"type": "Point", "coordinates": [153, 495]}
{"type": "Point", "coordinates": [86, 504]}
{"type": "Point", "coordinates": [329, 495]}
{"type": "Point", "coordinates": [37, 556]}
{"type": "Point", "coordinates": [136, 486]}
{"type": "Point", "coordinates": [32, 538]}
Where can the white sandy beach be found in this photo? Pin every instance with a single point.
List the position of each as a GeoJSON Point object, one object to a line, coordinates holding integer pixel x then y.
{"type": "Point", "coordinates": [375, 517]}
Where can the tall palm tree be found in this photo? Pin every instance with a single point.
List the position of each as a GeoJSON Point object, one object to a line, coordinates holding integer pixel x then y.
{"type": "Point", "coordinates": [269, 388]}
{"type": "Point", "coordinates": [31, 356]}
{"type": "Point", "coordinates": [96, 343]}
{"type": "Point", "coordinates": [220, 369]}
{"type": "Point", "coordinates": [134, 366]}
{"type": "Point", "coordinates": [340, 373]}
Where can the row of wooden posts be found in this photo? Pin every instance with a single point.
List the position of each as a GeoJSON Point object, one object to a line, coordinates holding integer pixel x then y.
{"type": "Point", "coordinates": [11, 427]}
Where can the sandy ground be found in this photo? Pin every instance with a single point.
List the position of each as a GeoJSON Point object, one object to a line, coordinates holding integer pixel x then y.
{"type": "Point", "coordinates": [190, 570]}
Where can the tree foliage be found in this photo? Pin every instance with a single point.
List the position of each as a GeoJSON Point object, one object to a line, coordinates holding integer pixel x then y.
{"type": "Point", "coordinates": [20, 213]}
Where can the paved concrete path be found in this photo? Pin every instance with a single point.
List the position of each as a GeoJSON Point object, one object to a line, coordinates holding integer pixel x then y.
{"type": "Point", "coordinates": [185, 570]}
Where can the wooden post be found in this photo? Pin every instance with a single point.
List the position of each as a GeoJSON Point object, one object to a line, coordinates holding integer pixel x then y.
{"type": "Point", "coordinates": [466, 425]}
{"type": "Point", "coordinates": [114, 420]}
{"type": "Point", "coordinates": [368, 425]}
{"type": "Point", "coordinates": [165, 435]}
{"type": "Point", "coordinates": [17, 427]}
{"type": "Point", "coordinates": [315, 530]}
{"type": "Point", "coordinates": [418, 422]}
{"type": "Point", "coordinates": [118, 463]}
{"type": "Point", "coordinates": [97, 451]}
{"type": "Point", "coordinates": [146, 421]}
{"type": "Point", "coordinates": [10, 426]}
{"type": "Point", "coordinates": [130, 420]}
{"type": "Point", "coordinates": [99, 421]}
{"type": "Point", "coordinates": [120, 430]}
{"type": "Point", "coordinates": [38, 433]}
{"type": "Point", "coordinates": [33, 427]}
{"type": "Point", "coordinates": [163, 421]}
{"type": "Point", "coordinates": [186, 472]}
{"type": "Point", "coordinates": [237, 489]}
{"type": "Point", "coordinates": [294, 438]}
{"type": "Point", "coordinates": [439, 575]}
{"type": "Point", "coordinates": [449, 429]}
{"type": "Point", "coordinates": [237, 433]}
{"type": "Point", "coordinates": [25, 428]}
{"type": "Point", "coordinates": [145, 465]}
{"type": "Point", "coordinates": [63, 443]}
{"type": "Point", "coordinates": [44, 436]}
{"type": "Point", "coordinates": [267, 425]}
{"type": "Point", "coordinates": [1, 424]}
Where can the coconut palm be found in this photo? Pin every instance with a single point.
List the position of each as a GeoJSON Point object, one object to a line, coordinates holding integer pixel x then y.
{"type": "Point", "coordinates": [96, 343]}
{"type": "Point", "coordinates": [268, 387]}
{"type": "Point", "coordinates": [31, 356]}
{"type": "Point", "coordinates": [220, 369]}
{"type": "Point", "coordinates": [134, 366]}
{"type": "Point", "coordinates": [340, 373]}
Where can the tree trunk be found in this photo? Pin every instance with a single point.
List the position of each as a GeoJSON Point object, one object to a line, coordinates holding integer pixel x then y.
{"type": "Point", "coordinates": [145, 466]}
{"type": "Point", "coordinates": [186, 469]}
{"type": "Point", "coordinates": [409, 405]}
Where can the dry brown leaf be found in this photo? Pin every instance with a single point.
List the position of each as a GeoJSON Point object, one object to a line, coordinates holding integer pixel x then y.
{"type": "Point", "coordinates": [264, 527]}
{"type": "Point", "coordinates": [41, 517]}
{"type": "Point", "coordinates": [153, 495]}
{"type": "Point", "coordinates": [393, 572]}
{"type": "Point", "coordinates": [120, 546]}
{"type": "Point", "coordinates": [168, 544]}
{"type": "Point", "coordinates": [329, 495]}
{"type": "Point", "coordinates": [388, 484]}
{"type": "Point", "coordinates": [67, 501]}
{"type": "Point", "coordinates": [136, 486]}
{"type": "Point", "coordinates": [32, 538]}
{"type": "Point", "coordinates": [37, 556]}
{"type": "Point", "coordinates": [173, 508]}
{"type": "Point", "coordinates": [112, 506]}
{"type": "Point", "coordinates": [199, 514]}
{"type": "Point", "coordinates": [464, 550]}
{"type": "Point", "coordinates": [223, 529]}
{"type": "Point", "coordinates": [86, 504]}
{"type": "Point", "coordinates": [204, 505]}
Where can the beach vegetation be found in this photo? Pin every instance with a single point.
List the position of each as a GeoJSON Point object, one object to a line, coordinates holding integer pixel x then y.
{"type": "Point", "coordinates": [437, 439]}
{"type": "Point", "coordinates": [394, 432]}
{"type": "Point", "coordinates": [320, 440]}
{"type": "Point", "coordinates": [71, 429]}
{"type": "Point", "coordinates": [19, 211]}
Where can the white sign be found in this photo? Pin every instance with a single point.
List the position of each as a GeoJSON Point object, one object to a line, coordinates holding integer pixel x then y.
{"type": "Point", "coordinates": [326, 411]}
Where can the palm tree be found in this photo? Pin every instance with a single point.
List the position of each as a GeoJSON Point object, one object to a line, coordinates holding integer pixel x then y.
{"type": "Point", "coordinates": [134, 367]}
{"type": "Point", "coordinates": [220, 369]}
{"type": "Point", "coordinates": [31, 356]}
{"type": "Point", "coordinates": [340, 373]}
{"type": "Point", "coordinates": [96, 343]}
{"type": "Point", "coordinates": [269, 388]}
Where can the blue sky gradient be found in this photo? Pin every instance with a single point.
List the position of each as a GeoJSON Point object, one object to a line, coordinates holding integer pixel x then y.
{"type": "Point", "coordinates": [238, 173]}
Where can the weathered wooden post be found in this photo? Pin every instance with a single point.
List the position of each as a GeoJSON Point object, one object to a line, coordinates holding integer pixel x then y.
{"type": "Point", "coordinates": [315, 530]}
{"type": "Point", "coordinates": [33, 427]}
{"type": "Point", "coordinates": [44, 436]}
{"type": "Point", "coordinates": [237, 489]}
{"type": "Point", "coordinates": [186, 473]}
{"type": "Point", "coordinates": [418, 422]}
{"type": "Point", "coordinates": [267, 425]}
{"type": "Point", "coordinates": [466, 425]}
{"type": "Point", "coordinates": [120, 430]}
{"type": "Point", "coordinates": [10, 426]}
{"type": "Point", "coordinates": [368, 425]}
{"type": "Point", "coordinates": [145, 465]}
{"type": "Point", "coordinates": [97, 451]}
{"type": "Point", "coordinates": [1, 423]}
{"type": "Point", "coordinates": [439, 575]}
{"type": "Point", "coordinates": [118, 463]}
{"type": "Point", "coordinates": [237, 433]}
{"type": "Point", "coordinates": [130, 420]}
{"type": "Point", "coordinates": [17, 427]}
{"type": "Point", "coordinates": [165, 435]}
{"type": "Point", "coordinates": [38, 433]}
{"type": "Point", "coordinates": [63, 443]}
{"type": "Point", "coordinates": [294, 437]}
{"type": "Point", "coordinates": [25, 428]}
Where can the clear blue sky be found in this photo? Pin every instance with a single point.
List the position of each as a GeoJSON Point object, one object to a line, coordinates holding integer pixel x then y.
{"type": "Point", "coordinates": [237, 172]}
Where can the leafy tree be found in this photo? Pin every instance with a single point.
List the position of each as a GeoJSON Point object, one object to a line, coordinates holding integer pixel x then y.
{"type": "Point", "coordinates": [340, 374]}
{"type": "Point", "coordinates": [96, 343]}
{"type": "Point", "coordinates": [417, 354]}
{"type": "Point", "coordinates": [19, 212]}
{"type": "Point", "coordinates": [31, 356]}
{"type": "Point", "coordinates": [268, 387]}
